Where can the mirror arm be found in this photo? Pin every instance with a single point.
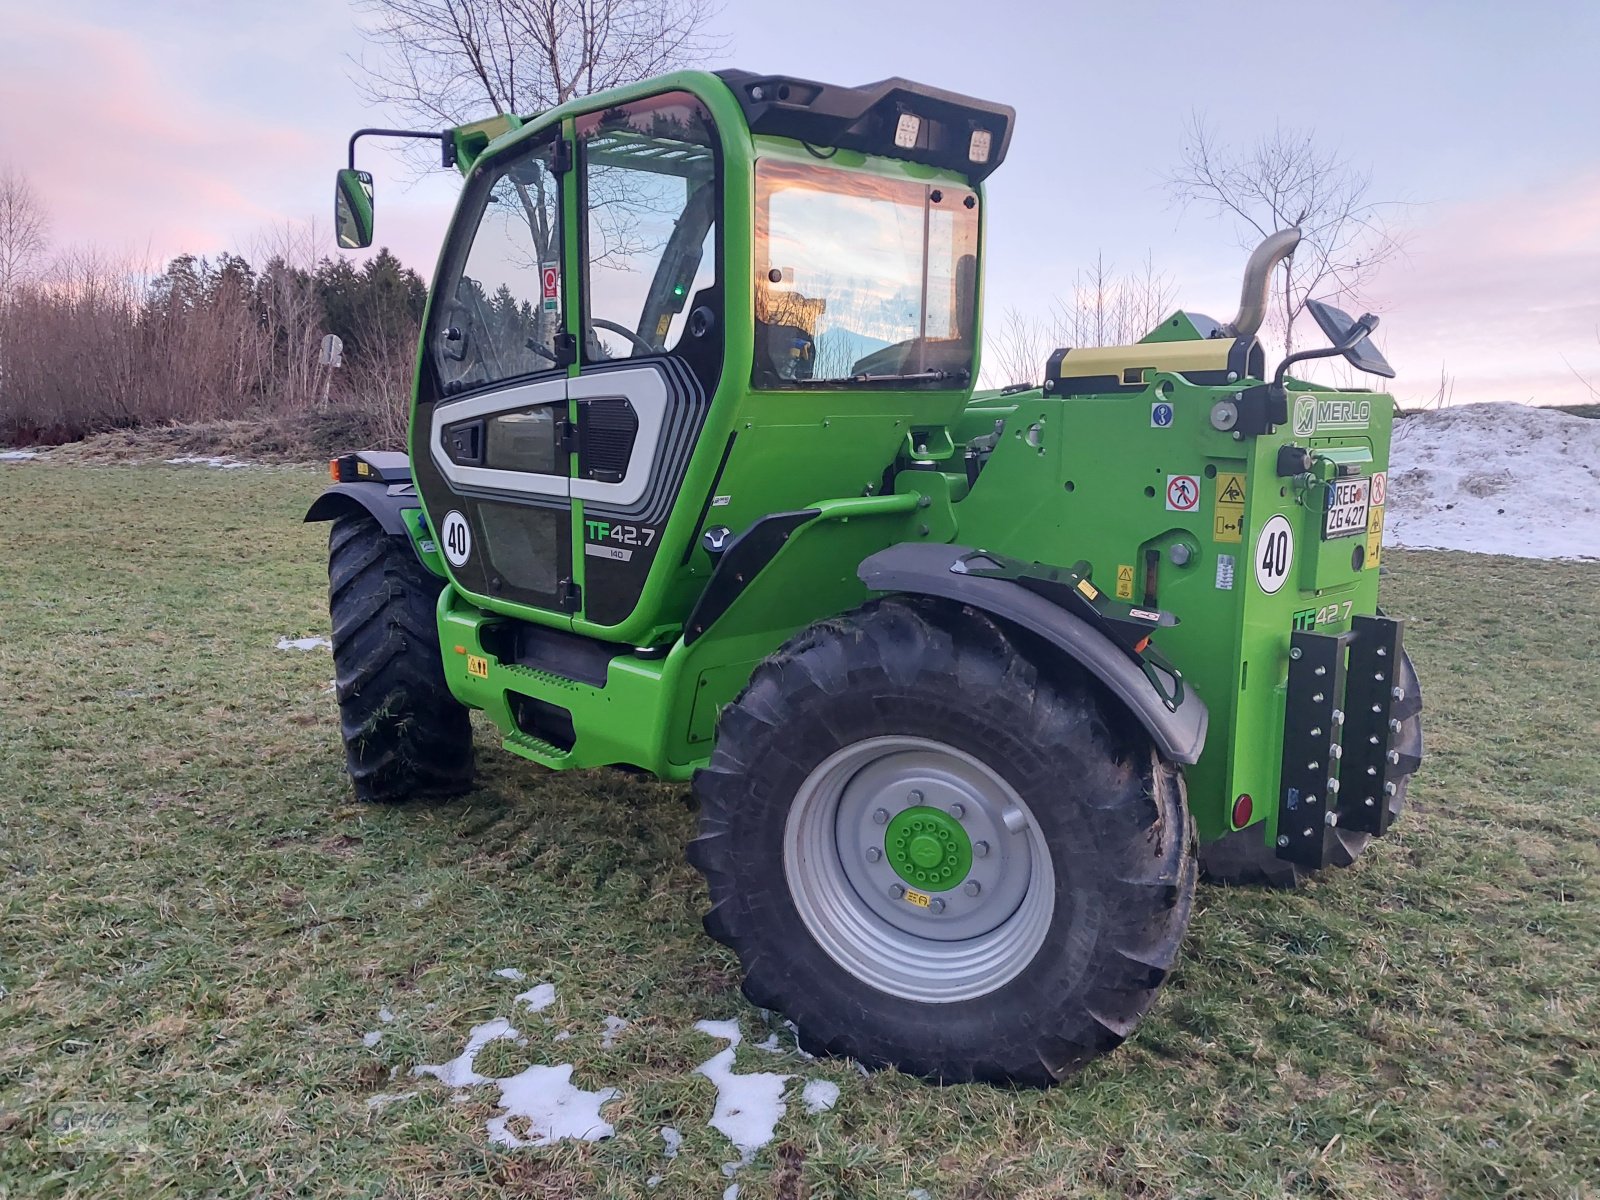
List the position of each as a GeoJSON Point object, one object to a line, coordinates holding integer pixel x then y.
{"type": "Point", "coordinates": [446, 140]}
{"type": "Point", "coordinates": [1361, 329]}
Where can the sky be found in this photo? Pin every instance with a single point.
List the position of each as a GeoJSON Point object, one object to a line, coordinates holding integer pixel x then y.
{"type": "Point", "coordinates": [155, 127]}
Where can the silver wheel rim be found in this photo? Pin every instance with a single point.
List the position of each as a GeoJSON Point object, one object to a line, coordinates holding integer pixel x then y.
{"type": "Point", "coordinates": [979, 939]}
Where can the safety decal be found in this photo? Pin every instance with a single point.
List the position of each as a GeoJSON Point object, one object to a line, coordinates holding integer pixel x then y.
{"type": "Point", "coordinates": [457, 537]}
{"type": "Point", "coordinates": [551, 279]}
{"type": "Point", "coordinates": [1380, 488]}
{"type": "Point", "coordinates": [1224, 572]}
{"type": "Point", "coordinates": [1274, 554]}
{"type": "Point", "coordinates": [1183, 493]}
{"type": "Point", "coordinates": [1374, 532]}
{"type": "Point", "coordinates": [1161, 415]}
{"type": "Point", "coordinates": [1124, 581]}
{"type": "Point", "coordinates": [913, 896]}
{"type": "Point", "coordinates": [478, 666]}
{"type": "Point", "coordinates": [1228, 519]}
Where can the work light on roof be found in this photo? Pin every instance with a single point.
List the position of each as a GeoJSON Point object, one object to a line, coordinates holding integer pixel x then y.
{"type": "Point", "coordinates": [978, 147]}
{"type": "Point", "coordinates": [906, 131]}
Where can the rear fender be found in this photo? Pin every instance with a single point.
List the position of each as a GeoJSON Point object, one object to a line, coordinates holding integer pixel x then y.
{"type": "Point", "coordinates": [921, 569]}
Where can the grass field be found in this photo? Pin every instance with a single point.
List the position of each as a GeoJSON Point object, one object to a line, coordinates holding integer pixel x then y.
{"type": "Point", "coordinates": [199, 925]}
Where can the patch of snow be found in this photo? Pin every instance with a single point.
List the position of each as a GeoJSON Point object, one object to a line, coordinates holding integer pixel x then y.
{"type": "Point", "coordinates": [552, 1106]}
{"type": "Point", "coordinates": [749, 1106]}
{"type": "Point", "coordinates": [731, 1192]}
{"type": "Point", "coordinates": [673, 1140]}
{"type": "Point", "coordinates": [17, 455]}
{"type": "Point", "coordinates": [510, 973]}
{"type": "Point", "coordinates": [222, 462]}
{"type": "Point", "coordinates": [770, 1044]}
{"type": "Point", "coordinates": [819, 1095]}
{"type": "Point", "coordinates": [561, 1037]}
{"type": "Point", "coordinates": [458, 1072]}
{"type": "Point", "coordinates": [384, 1099]}
{"type": "Point", "coordinates": [918, 1194]}
{"type": "Point", "coordinates": [305, 643]}
{"type": "Point", "coordinates": [795, 1029]}
{"type": "Point", "coordinates": [614, 1026]}
{"type": "Point", "coordinates": [385, 1016]}
{"type": "Point", "coordinates": [652, 1181]}
{"type": "Point", "coordinates": [371, 1039]}
{"type": "Point", "coordinates": [1496, 479]}
{"type": "Point", "coordinates": [539, 996]}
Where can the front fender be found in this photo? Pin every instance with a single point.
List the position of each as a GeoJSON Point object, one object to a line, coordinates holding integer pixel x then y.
{"type": "Point", "coordinates": [386, 502]}
{"type": "Point", "coordinates": [921, 569]}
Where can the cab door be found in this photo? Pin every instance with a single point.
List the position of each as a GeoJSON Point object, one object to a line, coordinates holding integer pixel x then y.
{"type": "Point", "coordinates": [648, 190]}
{"type": "Point", "coordinates": [492, 438]}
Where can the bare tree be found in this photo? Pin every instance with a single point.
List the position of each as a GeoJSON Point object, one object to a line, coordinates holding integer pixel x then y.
{"type": "Point", "coordinates": [1104, 309]}
{"type": "Point", "coordinates": [1285, 179]}
{"type": "Point", "coordinates": [448, 60]}
{"type": "Point", "coordinates": [24, 231]}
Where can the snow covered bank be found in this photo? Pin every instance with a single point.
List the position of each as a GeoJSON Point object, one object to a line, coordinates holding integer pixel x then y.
{"type": "Point", "coordinates": [1496, 479]}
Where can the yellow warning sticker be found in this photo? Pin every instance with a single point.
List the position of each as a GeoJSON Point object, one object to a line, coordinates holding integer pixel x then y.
{"type": "Point", "coordinates": [915, 897]}
{"type": "Point", "coordinates": [478, 665]}
{"type": "Point", "coordinates": [1124, 581]}
{"type": "Point", "coordinates": [1088, 589]}
{"type": "Point", "coordinates": [1227, 516]}
{"type": "Point", "coordinates": [1374, 538]}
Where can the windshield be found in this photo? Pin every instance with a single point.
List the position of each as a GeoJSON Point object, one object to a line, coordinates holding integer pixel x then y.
{"type": "Point", "coordinates": [862, 278]}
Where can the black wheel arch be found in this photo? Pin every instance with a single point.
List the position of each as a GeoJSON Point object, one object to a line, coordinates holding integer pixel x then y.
{"type": "Point", "coordinates": [922, 569]}
{"type": "Point", "coordinates": [386, 503]}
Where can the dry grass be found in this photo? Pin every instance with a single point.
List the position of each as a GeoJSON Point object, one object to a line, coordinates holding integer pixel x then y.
{"type": "Point", "coordinates": [199, 925]}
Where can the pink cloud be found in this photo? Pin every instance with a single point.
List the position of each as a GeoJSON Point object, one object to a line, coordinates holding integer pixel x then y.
{"type": "Point", "coordinates": [1504, 292]}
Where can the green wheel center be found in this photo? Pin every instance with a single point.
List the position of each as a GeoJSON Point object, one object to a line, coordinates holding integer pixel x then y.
{"type": "Point", "coordinates": [928, 848]}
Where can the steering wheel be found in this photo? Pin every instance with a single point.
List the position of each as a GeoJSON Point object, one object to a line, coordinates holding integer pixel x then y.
{"type": "Point", "coordinates": [612, 327]}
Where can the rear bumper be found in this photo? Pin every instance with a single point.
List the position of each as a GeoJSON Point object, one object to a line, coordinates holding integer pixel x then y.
{"type": "Point", "coordinates": [1340, 762]}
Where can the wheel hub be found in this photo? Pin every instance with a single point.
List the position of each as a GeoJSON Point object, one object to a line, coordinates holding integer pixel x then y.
{"type": "Point", "coordinates": [928, 848]}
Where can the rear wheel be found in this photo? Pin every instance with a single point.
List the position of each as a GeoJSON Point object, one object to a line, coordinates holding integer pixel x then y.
{"type": "Point", "coordinates": [1244, 858]}
{"type": "Point", "coordinates": [405, 735]}
{"type": "Point", "coordinates": [931, 856]}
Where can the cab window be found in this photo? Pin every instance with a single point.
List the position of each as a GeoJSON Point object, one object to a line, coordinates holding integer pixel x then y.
{"type": "Point", "coordinates": [649, 196]}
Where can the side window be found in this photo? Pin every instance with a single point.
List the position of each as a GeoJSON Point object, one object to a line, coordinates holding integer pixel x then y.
{"type": "Point", "coordinates": [499, 318]}
{"type": "Point", "coordinates": [650, 206]}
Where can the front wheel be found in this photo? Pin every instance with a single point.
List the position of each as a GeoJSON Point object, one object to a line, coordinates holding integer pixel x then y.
{"type": "Point", "coordinates": [931, 855]}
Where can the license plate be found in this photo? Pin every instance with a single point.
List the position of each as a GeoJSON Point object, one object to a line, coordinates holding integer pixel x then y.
{"type": "Point", "coordinates": [1347, 507]}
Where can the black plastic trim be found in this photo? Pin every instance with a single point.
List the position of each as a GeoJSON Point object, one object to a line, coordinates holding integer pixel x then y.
{"type": "Point", "coordinates": [745, 558]}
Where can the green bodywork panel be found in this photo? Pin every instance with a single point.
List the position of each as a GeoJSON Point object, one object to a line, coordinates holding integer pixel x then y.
{"type": "Point", "coordinates": [1070, 478]}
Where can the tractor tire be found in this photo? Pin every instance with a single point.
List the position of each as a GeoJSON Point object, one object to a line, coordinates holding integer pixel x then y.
{"type": "Point", "coordinates": [932, 855]}
{"type": "Point", "coordinates": [1244, 859]}
{"type": "Point", "coordinates": [405, 736]}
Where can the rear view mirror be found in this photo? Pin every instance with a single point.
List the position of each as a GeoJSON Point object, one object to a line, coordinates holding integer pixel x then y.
{"type": "Point", "coordinates": [1350, 338]}
{"type": "Point", "coordinates": [352, 209]}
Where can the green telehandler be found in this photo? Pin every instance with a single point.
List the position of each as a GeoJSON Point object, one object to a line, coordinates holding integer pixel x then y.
{"type": "Point", "coordinates": [971, 685]}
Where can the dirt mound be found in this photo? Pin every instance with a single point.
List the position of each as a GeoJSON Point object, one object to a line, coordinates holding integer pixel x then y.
{"type": "Point", "coordinates": [308, 437]}
{"type": "Point", "coordinates": [1496, 479]}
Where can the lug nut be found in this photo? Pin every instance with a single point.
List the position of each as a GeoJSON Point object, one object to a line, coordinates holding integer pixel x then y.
{"type": "Point", "coordinates": [914, 797]}
{"type": "Point", "coordinates": [971, 887]}
{"type": "Point", "coordinates": [1332, 818]}
{"type": "Point", "coordinates": [1398, 693]}
{"type": "Point", "coordinates": [1284, 840]}
{"type": "Point", "coordinates": [958, 811]}
{"type": "Point", "coordinates": [936, 905]}
{"type": "Point", "coordinates": [881, 816]}
{"type": "Point", "coordinates": [1394, 758]}
{"type": "Point", "coordinates": [874, 854]}
{"type": "Point", "coordinates": [1338, 716]}
{"type": "Point", "coordinates": [980, 849]}
{"type": "Point", "coordinates": [1389, 789]}
{"type": "Point", "coordinates": [897, 892]}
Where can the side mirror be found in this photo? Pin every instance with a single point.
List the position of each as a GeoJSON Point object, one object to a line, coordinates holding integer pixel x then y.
{"type": "Point", "coordinates": [352, 209]}
{"type": "Point", "coordinates": [1350, 338]}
